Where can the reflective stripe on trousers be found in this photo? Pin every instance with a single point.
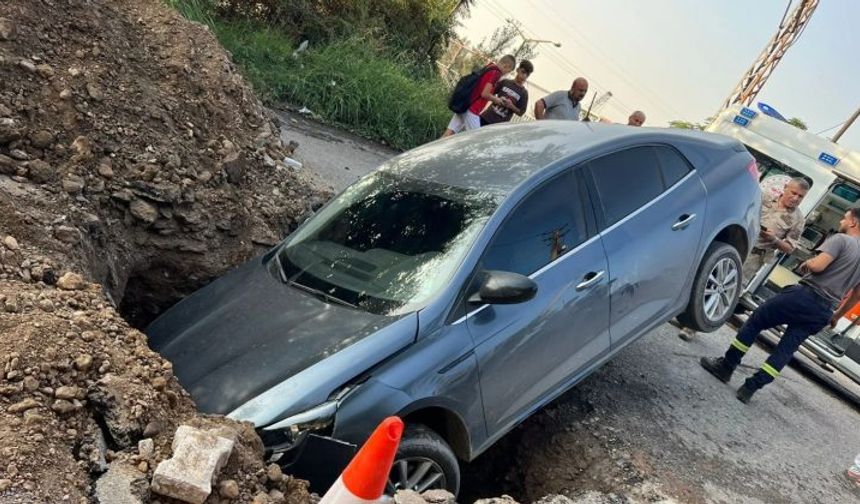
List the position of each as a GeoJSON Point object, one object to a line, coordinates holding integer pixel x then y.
{"type": "Point", "coordinates": [804, 313]}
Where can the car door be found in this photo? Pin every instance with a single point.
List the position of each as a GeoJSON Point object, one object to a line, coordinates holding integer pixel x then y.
{"type": "Point", "coordinates": [527, 351]}
{"type": "Point", "coordinates": [652, 209]}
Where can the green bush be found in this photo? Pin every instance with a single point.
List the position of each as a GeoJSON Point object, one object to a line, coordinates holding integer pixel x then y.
{"type": "Point", "coordinates": [353, 82]}
{"type": "Point", "coordinates": [348, 82]}
{"type": "Point", "coordinates": [420, 28]}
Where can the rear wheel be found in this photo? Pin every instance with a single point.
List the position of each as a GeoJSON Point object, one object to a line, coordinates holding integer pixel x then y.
{"type": "Point", "coordinates": [716, 289]}
{"type": "Point", "coordinates": [424, 461]}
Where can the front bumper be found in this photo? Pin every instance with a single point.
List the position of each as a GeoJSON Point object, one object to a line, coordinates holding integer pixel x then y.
{"type": "Point", "coordinates": [318, 459]}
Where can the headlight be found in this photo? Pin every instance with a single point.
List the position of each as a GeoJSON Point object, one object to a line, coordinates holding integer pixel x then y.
{"type": "Point", "coordinates": [283, 436]}
{"type": "Point", "coordinates": [316, 418]}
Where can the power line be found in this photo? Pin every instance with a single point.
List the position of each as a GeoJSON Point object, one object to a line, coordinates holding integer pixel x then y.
{"type": "Point", "coordinates": [499, 12]}
{"type": "Point", "coordinates": [609, 63]}
{"type": "Point", "coordinates": [563, 63]}
{"type": "Point", "coordinates": [830, 128]}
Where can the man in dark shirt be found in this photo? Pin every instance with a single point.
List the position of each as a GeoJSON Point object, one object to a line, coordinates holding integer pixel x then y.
{"type": "Point", "coordinates": [829, 277]}
{"type": "Point", "coordinates": [514, 95]}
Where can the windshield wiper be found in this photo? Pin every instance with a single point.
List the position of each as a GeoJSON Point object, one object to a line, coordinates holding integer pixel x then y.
{"type": "Point", "coordinates": [321, 294]}
{"type": "Point", "coordinates": [310, 290]}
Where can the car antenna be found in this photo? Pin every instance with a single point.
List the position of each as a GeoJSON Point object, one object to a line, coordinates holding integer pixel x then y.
{"type": "Point", "coordinates": [588, 112]}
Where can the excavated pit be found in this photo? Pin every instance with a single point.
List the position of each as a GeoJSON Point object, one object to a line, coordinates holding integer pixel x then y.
{"type": "Point", "coordinates": [151, 290]}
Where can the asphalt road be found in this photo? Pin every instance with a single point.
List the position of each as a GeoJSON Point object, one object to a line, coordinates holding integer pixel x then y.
{"type": "Point", "coordinates": [335, 156]}
{"type": "Point", "coordinates": [652, 423]}
{"type": "Point", "coordinates": [792, 443]}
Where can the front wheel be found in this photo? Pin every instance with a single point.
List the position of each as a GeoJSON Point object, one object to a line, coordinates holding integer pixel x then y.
{"type": "Point", "coordinates": [424, 461]}
{"type": "Point", "coordinates": [716, 289]}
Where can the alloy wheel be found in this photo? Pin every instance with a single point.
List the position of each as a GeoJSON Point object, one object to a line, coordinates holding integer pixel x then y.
{"type": "Point", "coordinates": [723, 283]}
{"type": "Point", "coordinates": [415, 473]}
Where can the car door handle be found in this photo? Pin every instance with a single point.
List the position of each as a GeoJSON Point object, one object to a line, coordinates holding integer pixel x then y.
{"type": "Point", "coordinates": [589, 280]}
{"type": "Point", "coordinates": [683, 221]}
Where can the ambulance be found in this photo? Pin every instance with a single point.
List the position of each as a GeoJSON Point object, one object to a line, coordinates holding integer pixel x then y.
{"type": "Point", "coordinates": [782, 152]}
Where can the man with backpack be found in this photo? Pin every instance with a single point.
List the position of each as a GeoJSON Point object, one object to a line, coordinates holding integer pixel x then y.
{"type": "Point", "coordinates": [473, 92]}
{"type": "Point", "coordinates": [513, 89]}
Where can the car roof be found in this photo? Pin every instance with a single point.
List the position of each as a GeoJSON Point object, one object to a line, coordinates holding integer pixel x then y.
{"type": "Point", "coordinates": [498, 158]}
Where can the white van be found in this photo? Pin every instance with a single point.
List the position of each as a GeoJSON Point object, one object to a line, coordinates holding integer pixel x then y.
{"type": "Point", "coordinates": [784, 151]}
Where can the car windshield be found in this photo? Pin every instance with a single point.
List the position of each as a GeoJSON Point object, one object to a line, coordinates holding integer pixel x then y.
{"type": "Point", "coordinates": [387, 244]}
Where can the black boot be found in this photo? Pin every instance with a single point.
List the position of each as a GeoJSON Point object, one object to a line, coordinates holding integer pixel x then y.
{"type": "Point", "coordinates": [745, 393]}
{"type": "Point", "coordinates": [717, 367]}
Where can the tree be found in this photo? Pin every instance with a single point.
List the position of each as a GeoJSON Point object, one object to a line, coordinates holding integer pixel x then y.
{"type": "Point", "coordinates": [463, 6]}
{"type": "Point", "coordinates": [505, 40]}
{"type": "Point", "coordinates": [797, 123]}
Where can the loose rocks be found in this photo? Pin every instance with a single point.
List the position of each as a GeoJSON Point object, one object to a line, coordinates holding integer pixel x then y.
{"type": "Point", "coordinates": [71, 281]}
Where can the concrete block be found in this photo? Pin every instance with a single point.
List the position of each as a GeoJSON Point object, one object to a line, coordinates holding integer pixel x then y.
{"type": "Point", "coordinates": [198, 456]}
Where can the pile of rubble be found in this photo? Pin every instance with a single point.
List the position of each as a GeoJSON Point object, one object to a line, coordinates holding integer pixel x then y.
{"type": "Point", "coordinates": [87, 409]}
{"type": "Point", "coordinates": [131, 144]}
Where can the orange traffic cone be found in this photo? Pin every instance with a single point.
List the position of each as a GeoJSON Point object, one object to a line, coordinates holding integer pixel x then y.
{"type": "Point", "coordinates": [364, 478]}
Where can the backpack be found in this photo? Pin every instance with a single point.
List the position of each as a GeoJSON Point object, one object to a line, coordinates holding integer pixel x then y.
{"type": "Point", "coordinates": [461, 97]}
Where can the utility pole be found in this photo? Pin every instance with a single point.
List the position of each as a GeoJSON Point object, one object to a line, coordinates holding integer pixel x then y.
{"type": "Point", "coordinates": [845, 126]}
{"type": "Point", "coordinates": [790, 28]}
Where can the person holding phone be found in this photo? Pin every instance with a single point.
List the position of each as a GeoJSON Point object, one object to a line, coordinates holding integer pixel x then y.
{"type": "Point", "coordinates": [781, 226]}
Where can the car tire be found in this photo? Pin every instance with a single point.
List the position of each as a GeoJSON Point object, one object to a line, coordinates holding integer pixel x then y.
{"type": "Point", "coordinates": [708, 311]}
{"type": "Point", "coordinates": [422, 450]}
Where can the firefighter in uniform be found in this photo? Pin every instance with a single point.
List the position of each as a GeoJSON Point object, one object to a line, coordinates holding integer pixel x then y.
{"type": "Point", "coordinates": [806, 308]}
{"type": "Point", "coordinates": [781, 227]}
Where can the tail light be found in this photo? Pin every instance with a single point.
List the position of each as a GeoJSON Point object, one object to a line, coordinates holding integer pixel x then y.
{"type": "Point", "coordinates": [752, 168]}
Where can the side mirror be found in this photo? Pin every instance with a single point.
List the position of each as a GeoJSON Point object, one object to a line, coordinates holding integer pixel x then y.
{"type": "Point", "coordinates": [504, 287]}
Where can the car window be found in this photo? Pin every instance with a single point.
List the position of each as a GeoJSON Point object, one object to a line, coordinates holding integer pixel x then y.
{"type": "Point", "coordinates": [672, 164]}
{"type": "Point", "coordinates": [626, 180]}
{"type": "Point", "coordinates": [547, 223]}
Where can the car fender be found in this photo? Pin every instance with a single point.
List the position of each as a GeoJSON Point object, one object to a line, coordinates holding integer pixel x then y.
{"type": "Point", "coordinates": [448, 380]}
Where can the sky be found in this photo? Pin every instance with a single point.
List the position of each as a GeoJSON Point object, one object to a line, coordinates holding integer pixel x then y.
{"type": "Point", "coordinates": [680, 59]}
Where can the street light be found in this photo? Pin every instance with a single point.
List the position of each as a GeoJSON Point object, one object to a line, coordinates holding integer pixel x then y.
{"type": "Point", "coordinates": [541, 41]}
{"type": "Point", "coordinates": [526, 40]}
{"type": "Point", "coordinates": [536, 42]}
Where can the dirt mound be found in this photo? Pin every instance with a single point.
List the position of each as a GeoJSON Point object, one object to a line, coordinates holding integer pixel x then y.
{"type": "Point", "coordinates": [134, 156]}
{"type": "Point", "coordinates": [136, 152]}
{"type": "Point", "coordinates": [80, 390]}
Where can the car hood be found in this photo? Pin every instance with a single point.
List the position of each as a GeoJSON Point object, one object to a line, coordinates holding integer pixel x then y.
{"type": "Point", "coordinates": [249, 332]}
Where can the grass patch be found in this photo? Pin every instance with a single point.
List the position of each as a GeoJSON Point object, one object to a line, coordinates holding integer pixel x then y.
{"type": "Point", "coordinates": [350, 82]}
